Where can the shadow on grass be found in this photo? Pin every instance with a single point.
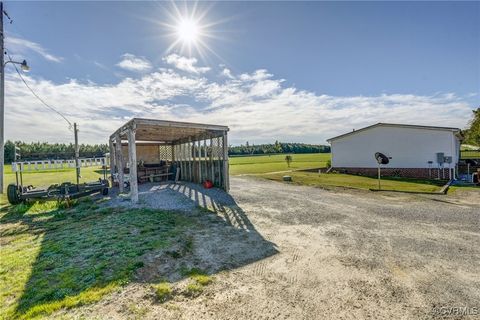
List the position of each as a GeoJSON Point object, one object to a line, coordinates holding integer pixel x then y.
{"type": "Point", "coordinates": [90, 250]}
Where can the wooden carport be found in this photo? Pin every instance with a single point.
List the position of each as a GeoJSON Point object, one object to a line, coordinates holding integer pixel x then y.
{"type": "Point", "coordinates": [197, 152]}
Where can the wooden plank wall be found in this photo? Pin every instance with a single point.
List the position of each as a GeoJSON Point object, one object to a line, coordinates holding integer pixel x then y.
{"type": "Point", "coordinates": [205, 159]}
{"type": "Point", "coordinates": [147, 153]}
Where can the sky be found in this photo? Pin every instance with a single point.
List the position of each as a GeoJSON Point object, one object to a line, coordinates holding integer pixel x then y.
{"type": "Point", "coordinates": [288, 71]}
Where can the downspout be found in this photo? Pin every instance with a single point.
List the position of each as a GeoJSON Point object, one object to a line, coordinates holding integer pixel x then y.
{"type": "Point", "coordinates": [454, 156]}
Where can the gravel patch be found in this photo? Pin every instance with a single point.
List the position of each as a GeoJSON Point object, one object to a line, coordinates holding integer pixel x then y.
{"type": "Point", "coordinates": [181, 196]}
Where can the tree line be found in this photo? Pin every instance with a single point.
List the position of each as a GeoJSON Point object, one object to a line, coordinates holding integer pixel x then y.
{"type": "Point", "coordinates": [45, 150]}
{"type": "Point", "coordinates": [277, 147]}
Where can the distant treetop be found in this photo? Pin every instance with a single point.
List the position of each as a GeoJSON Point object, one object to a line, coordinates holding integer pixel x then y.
{"type": "Point", "coordinates": [277, 147]}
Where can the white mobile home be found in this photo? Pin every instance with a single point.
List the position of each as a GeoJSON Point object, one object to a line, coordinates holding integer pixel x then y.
{"type": "Point", "coordinates": [414, 151]}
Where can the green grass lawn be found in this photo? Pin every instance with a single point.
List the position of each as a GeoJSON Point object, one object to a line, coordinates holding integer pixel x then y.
{"type": "Point", "coordinates": [272, 163]}
{"type": "Point", "coordinates": [358, 182]}
{"type": "Point", "coordinates": [45, 178]}
{"type": "Point", "coordinates": [54, 257]}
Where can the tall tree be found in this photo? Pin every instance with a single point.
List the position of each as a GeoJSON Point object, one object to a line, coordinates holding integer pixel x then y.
{"type": "Point", "coordinates": [472, 134]}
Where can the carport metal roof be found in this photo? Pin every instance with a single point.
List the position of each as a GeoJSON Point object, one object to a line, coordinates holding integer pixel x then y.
{"type": "Point", "coordinates": [168, 132]}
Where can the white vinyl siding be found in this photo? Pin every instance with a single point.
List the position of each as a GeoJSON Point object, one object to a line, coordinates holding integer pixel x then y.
{"type": "Point", "coordinates": [408, 147]}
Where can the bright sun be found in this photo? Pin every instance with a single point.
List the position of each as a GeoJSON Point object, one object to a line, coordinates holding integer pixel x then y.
{"type": "Point", "coordinates": [188, 31]}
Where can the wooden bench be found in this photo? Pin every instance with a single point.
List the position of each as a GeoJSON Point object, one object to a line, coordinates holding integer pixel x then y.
{"type": "Point", "coordinates": [151, 176]}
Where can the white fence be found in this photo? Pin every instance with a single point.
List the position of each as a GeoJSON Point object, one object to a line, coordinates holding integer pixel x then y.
{"type": "Point", "coordinates": [38, 165]}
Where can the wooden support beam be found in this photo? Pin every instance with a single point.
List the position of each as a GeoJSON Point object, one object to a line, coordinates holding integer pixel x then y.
{"type": "Point", "coordinates": [212, 172]}
{"type": "Point", "coordinates": [182, 153]}
{"type": "Point", "coordinates": [119, 162]}
{"type": "Point", "coordinates": [205, 167]}
{"type": "Point", "coordinates": [190, 162]}
{"type": "Point", "coordinates": [219, 162]}
{"type": "Point", "coordinates": [132, 160]}
{"type": "Point", "coordinates": [199, 162]}
{"type": "Point", "coordinates": [112, 159]}
{"type": "Point", "coordinates": [226, 182]}
{"type": "Point", "coordinates": [184, 163]}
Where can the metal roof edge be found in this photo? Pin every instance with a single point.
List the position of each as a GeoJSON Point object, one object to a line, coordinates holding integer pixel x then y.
{"type": "Point", "coordinates": [412, 126]}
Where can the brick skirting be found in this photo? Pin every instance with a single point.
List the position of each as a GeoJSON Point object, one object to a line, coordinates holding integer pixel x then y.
{"type": "Point", "coordinates": [423, 173]}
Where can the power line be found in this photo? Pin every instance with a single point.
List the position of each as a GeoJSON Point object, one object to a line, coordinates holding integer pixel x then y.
{"type": "Point", "coordinates": [38, 97]}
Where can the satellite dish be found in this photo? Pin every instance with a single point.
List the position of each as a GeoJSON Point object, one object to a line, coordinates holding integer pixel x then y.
{"type": "Point", "coordinates": [381, 158]}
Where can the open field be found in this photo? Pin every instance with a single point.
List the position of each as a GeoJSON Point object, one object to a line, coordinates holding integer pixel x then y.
{"type": "Point", "coordinates": [272, 163]}
{"type": "Point", "coordinates": [269, 250]}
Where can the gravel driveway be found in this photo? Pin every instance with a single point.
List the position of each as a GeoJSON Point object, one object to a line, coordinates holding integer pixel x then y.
{"type": "Point", "coordinates": [338, 255]}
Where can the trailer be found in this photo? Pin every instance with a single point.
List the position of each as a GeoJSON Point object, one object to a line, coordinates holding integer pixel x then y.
{"type": "Point", "coordinates": [18, 192]}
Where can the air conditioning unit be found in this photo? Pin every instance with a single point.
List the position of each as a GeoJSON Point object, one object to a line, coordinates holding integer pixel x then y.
{"type": "Point", "coordinates": [447, 159]}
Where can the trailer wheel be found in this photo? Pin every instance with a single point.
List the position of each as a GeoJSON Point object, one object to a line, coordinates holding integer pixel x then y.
{"type": "Point", "coordinates": [105, 191]}
{"type": "Point", "coordinates": [12, 194]}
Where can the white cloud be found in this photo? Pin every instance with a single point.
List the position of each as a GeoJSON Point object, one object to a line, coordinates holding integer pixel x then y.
{"type": "Point", "coordinates": [131, 62]}
{"type": "Point", "coordinates": [227, 73]}
{"type": "Point", "coordinates": [257, 107]}
{"type": "Point", "coordinates": [185, 64]}
{"type": "Point", "coordinates": [21, 46]}
{"type": "Point", "coordinates": [258, 75]}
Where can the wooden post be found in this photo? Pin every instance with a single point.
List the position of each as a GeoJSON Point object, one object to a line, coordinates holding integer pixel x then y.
{"type": "Point", "coordinates": [219, 161]}
{"type": "Point", "coordinates": [182, 152]}
{"type": "Point", "coordinates": [185, 164]}
{"type": "Point", "coordinates": [119, 161]}
{"type": "Point", "coordinates": [77, 152]}
{"type": "Point", "coordinates": [191, 156]}
{"type": "Point", "coordinates": [226, 182]}
{"type": "Point", "coordinates": [199, 162]}
{"type": "Point", "coordinates": [132, 160]}
{"type": "Point", "coordinates": [212, 173]}
{"type": "Point", "coordinates": [205, 158]}
{"type": "Point", "coordinates": [112, 158]}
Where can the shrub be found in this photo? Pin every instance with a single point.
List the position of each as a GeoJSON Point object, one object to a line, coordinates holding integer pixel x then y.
{"type": "Point", "coordinates": [202, 279]}
{"type": "Point", "coordinates": [194, 289]}
{"type": "Point", "coordinates": [163, 291]}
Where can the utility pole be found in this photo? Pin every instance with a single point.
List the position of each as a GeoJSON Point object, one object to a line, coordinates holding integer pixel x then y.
{"type": "Point", "coordinates": [77, 152]}
{"type": "Point", "coordinates": [2, 100]}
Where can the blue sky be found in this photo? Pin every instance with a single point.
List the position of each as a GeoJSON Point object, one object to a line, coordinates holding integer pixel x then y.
{"type": "Point", "coordinates": [294, 71]}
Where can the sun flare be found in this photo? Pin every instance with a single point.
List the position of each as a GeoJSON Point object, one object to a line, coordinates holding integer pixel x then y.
{"type": "Point", "coordinates": [188, 31]}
